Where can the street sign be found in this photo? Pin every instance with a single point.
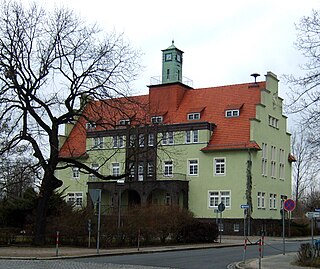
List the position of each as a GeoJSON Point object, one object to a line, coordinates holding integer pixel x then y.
{"type": "Point", "coordinates": [95, 195]}
{"type": "Point", "coordinates": [312, 215]}
{"type": "Point", "coordinates": [317, 209]}
{"type": "Point", "coordinates": [221, 207]}
{"type": "Point", "coordinates": [244, 206]}
{"type": "Point", "coordinates": [289, 205]}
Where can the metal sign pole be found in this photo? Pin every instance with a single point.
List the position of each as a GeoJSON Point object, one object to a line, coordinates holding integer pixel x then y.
{"type": "Point", "coordinates": [99, 213]}
{"type": "Point", "coordinates": [283, 233]}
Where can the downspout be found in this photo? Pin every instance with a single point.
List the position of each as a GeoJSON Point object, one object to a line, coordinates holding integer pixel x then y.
{"type": "Point", "coordinates": [249, 190]}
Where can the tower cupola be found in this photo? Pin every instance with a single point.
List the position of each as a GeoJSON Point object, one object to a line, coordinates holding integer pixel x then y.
{"type": "Point", "coordinates": [171, 64]}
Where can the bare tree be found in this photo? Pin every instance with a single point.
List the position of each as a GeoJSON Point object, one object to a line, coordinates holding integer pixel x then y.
{"type": "Point", "coordinates": [48, 60]}
{"type": "Point", "coordinates": [305, 90]}
{"type": "Point", "coordinates": [304, 168]}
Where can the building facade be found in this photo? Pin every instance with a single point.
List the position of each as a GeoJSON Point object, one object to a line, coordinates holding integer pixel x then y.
{"type": "Point", "coordinates": [194, 148]}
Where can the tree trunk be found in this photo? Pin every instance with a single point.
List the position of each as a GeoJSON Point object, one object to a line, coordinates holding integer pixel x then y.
{"type": "Point", "coordinates": [49, 184]}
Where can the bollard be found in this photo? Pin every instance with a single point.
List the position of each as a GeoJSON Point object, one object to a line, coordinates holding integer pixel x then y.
{"type": "Point", "coordinates": [260, 242]}
{"type": "Point", "coordinates": [57, 244]}
{"type": "Point", "coordinates": [245, 250]}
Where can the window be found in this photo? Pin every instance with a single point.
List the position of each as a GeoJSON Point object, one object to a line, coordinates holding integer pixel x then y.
{"type": "Point", "coordinates": [236, 227]}
{"type": "Point", "coordinates": [140, 171]}
{"type": "Point", "coordinates": [217, 197]}
{"type": "Point", "coordinates": [261, 200]}
{"type": "Point", "coordinates": [232, 113]}
{"type": "Point", "coordinates": [141, 140]}
{"type": "Point", "coordinates": [167, 138]}
{"type": "Point", "coordinates": [132, 140]}
{"type": "Point", "coordinates": [194, 116]}
{"type": "Point", "coordinates": [273, 161]}
{"type": "Point", "coordinates": [156, 119]}
{"type": "Point", "coordinates": [131, 169]}
{"type": "Point", "coordinates": [281, 164]}
{"type": "Point", "coordinates": [273, 122]}
{"type": "Point", "coordinates": [98, 142]}
{"type": "Point", "coordinates": [273, 201]}
{"type": "Point", "coordinates": [75, 173]}
{"type": "Point", "coordinates": [264, 164]}
{"type": "Point", "coordinates": [75, 198]}
{"type": "Point", "coordinates": [150, 169]}
{"type": "Point", "coordinates": [151, 139]}
{"type": "Point", "coordinates": [192, 136]}
{"type": "Point", "coordinates": [193, 167]}
{"type": "Point", "coordinates": [115, 169]}
{"type": "Point", "coordinates": [124, 122]}
{"type": "Point", "coordinates": [118, 141]}
{"type": "Point", "coordinates": [95, 167]}
{"type": "Point", "coordinates": [168, 168]}
{"type": "Point", "coordinates": [219, 166]}
{"type": "Point", "coordinates": [168, 57]}
{"type": "Point", "coordinates": [91, 125]}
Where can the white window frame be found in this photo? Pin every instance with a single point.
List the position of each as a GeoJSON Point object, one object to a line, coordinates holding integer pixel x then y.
{"type": "Point", "coordinates": [118, 141]}
{"type": "Point", "coordinates": [91, 125]}
{"type": "Point", "coordinates": [193, 167]}
{"type": "Point", "coordinates": [281, 164]}
{"type": "Point", "coordinates": [232, 113]}
{"type": "Point", "coordinates": [273, 162]}
{"type": "Point", "coordinates": [75, 172]}
{"type": "Point", "coordinates": [261, 202]}
{"type": "Point", "coordinates": [140, 171]}
{"type": "Point", "coordinates": [192, 136]}
{"type": "Point", "coordinates": [273, 122]}
{"type": "Point", "coordinates": [156, 119]}
{"type": "Point", "coordinates": [124, 122]}
{"type": "Point", "coordinates": [151, 139]}
{"type": "Point", "coordinates": [141, 140]}
{"type": "Point", "coordinates": [167, 138]}
{"type": "Point", "coordinates": [273, 201]}
{"type": "Point", "coordinates": [98, 142]}
{"type": "Point", "coordinates": [75, 198]}
{"type": "Point", "coordinates": [168, 168]}
{"type": "Point", "coordinates": [219, 167]}
{"type": "Point", "coordinates": [94, 166]}
{"type": "Point", "coordinates": [215, 197]}
{"type": "Point", "coordinates": [115, 168]}
{"type": "Point", "coordinates": [264, 160]}
{"type": "Point", "coordinates": [150, 167]}
{"type": "Point", "coordinates": [194, 116]}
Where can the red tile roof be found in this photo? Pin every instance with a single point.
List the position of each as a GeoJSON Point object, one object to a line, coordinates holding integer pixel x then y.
{"type": "Point", "coordinates": [177, 100]}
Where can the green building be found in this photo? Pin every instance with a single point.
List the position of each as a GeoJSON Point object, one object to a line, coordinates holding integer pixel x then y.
{"type": "Point", "coordinates": [195, 148]}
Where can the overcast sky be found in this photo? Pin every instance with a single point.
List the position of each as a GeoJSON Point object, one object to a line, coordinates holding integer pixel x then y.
{"type": "Point", "coordinates": [223, 41]}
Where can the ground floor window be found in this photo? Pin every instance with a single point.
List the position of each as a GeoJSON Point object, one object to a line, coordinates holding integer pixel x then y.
{"type": "Point", "coordinates": [75, 198]}
{"type": "Point", "coordinates": [217, 197]}
{"type": "Point", "coordinates": [236, 227]}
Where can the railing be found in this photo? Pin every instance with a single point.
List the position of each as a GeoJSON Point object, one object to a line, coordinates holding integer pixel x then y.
{"type": "Point", "coordinates": [156, 80]}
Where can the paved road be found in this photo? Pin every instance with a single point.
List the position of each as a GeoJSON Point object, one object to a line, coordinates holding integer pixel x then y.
{"type": "Point", "coordinates": [65, 264]}
{"type": "Point", "coordinates": [190, 259]}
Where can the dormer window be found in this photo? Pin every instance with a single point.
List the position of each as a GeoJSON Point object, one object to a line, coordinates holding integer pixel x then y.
{"type": "Point", "coordinates": [231, 113]}
{"type": "Point", "coordinates": [156, 119]}
{"type": "Point", "coordinates": [124, 122]}
{"type": "Point", "coordinates": [91, 125]}
{"type": "Point", "coordinates": [194, 116]}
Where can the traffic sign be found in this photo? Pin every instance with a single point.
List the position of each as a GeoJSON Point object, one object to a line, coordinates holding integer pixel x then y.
{"type": "Point", "coordinates": [317, 209]}
{"type": "Point", "coordinates": [244, 206]}
{"type": "Point", "coordinates": [221, 207]}
{"type": "Point", "coordinates": [312, 215]}
{"type": "Point", "coordinates": [289, 205]}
